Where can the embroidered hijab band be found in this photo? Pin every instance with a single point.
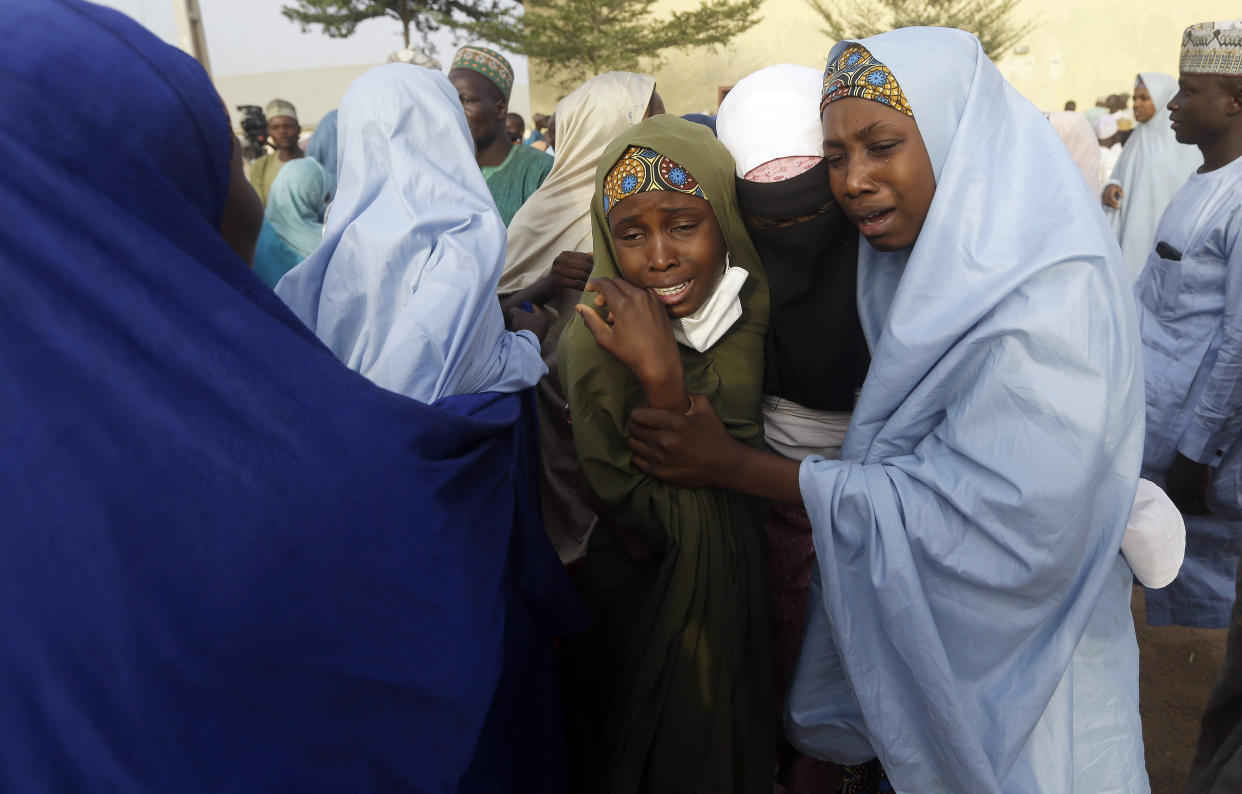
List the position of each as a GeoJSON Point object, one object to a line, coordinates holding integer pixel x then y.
{"type": "Point", "coordinates": [642, 170]}
{"type": "Point", "coordinates": [857, 73]}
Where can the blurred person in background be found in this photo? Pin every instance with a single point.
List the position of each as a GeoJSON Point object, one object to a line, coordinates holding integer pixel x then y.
{"type": "Point", "coordinates": [283, 132]}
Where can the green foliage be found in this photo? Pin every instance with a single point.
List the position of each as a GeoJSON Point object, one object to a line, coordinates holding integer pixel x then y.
{"type": "Point", "coordinates": [576, 39]}
{"type": "Point", "coordinates": [991, 20]}
{"type": "Point", "coordinates": [339, 18]}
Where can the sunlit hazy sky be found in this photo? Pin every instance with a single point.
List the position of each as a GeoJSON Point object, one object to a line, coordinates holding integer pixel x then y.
{"type": "Point", "coordinates": [245, 36]}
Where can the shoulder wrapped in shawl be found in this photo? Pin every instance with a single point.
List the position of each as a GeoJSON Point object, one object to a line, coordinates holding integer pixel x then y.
{"type": "Point", "coordinates": [403, 285]}
{"type": "Point", "coordinates": [676, 670]}
{"type": "Point", "coordinates": [228, 563]}
{"type": "Point", "coordinates": [973, 625]}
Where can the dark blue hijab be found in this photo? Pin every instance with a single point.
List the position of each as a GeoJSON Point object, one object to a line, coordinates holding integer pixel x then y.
{"type": "Point", "coordinates": [227, 562]}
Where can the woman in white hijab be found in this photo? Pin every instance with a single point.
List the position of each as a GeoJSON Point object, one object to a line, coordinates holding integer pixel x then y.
{"type": "Point", "coordinates": [402, 287]}
{"type": "Point", "coordinates": [555, 224]}
{"type": "Point", "coordinates": [1152, 167]}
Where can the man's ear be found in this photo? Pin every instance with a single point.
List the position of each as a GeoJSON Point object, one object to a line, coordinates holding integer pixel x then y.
{"type": "Point", "coordinates": [1233, 85]}
{"type": "Point", "coordinates": [502, 108]}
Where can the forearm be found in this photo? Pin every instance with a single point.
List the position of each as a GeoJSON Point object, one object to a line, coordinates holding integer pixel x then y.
{"type": "Point", "coordinates": [759, 473]}
{"type": "Point", "coordinates": [531, 293]}
{"type": "Point", "coordinates": [667, 390]}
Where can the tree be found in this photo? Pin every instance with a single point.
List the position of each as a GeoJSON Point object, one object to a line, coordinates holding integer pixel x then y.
{"type": "Point", "coordinates": [339, 18]}
{"type": "Point", "coordinates": [576, 39]}
{"type": "Point", "coordinates": [991, 20]}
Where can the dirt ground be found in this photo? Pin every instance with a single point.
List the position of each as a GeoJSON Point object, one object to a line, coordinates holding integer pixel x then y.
{"type": "Point", "coordinates": [1177, 668]}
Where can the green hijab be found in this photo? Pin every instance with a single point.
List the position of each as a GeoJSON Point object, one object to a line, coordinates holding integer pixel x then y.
{"type": "Point", "coordinates": [680, 637]}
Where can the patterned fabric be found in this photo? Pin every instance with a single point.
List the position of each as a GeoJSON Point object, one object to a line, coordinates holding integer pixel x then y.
{"type": "Point", "coordinates": [641, 170]}
{"type": "Point", "coordinates": [857, 73]}
{"type": "Point", "coordinates": [1213, 48]}
{"type": "Point", "coordinates": [489, 63]}
{"type": "Point", "coordinates": [868, 778]}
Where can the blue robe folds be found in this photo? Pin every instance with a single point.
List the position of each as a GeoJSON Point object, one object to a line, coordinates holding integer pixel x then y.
{"type": "Point", "coordinates": [227, 562]}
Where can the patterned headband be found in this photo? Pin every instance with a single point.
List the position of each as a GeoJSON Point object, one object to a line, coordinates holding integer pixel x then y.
{"type": "Point", "coordinates": [642, 170]}
{"type": "Point", "coordinates": [856, 72]}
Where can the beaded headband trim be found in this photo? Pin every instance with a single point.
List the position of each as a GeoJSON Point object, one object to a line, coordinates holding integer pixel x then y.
{"type": "Point", "coordinates": [642, 170]}
{"type": "Point", "coordinates": [856, 73]}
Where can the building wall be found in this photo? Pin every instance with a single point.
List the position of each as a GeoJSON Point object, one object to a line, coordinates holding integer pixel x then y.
{"type": "Point", "coordinates": [1080, 50]}
{"type": "Point", "coordinates": [315, 91]}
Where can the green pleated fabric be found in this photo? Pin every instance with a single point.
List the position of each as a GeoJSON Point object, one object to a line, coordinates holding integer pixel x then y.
{"type": "Point", "coordinates": [671, 689]}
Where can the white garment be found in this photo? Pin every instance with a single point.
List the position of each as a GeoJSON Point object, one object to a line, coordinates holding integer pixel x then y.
{"type": "Point", "coordinates": [1155, 541]}
{"type": "Point", "coordinates": [783, 91]}
{"type": "Point", "coordinates": [717, 315]}
{"type": "Point", "coordinates": [403, 286]}
{"type": "Point", "coordinates": [1079, 138]}
{"type": "Point", "coordinates": [796, 431]}
{"type": "Point", "coordinates": [557, 216]}
{"type": "Point", "coordinates": [1109, 155]}
{"type": "Point", "coordinates": [1151, 169]}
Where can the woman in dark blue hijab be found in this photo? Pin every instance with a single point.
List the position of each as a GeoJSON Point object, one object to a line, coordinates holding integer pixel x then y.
{"type": "Point", "coordinates": [227, 562]}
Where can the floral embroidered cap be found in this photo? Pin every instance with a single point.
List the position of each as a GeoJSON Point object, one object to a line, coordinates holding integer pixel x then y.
{"type": "Point", "coordinates": [489, 63]}
{"type": "Point", "coordinates": [1212, 48]}
{"type": "Point", "coordinates": [857, 73]}
{"type": "Point", "coordinates": [641, 170]}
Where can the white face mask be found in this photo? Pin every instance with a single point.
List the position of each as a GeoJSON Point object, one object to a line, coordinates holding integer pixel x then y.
{"type": "Point", "coordinates": [717, 315]}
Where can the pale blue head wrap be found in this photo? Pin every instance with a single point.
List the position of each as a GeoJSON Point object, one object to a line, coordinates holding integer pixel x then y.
{"type": "Point", "coordinates": [295, 204]}
{"type": "Point", "coordinates": [403, 286]}
{"type": "Point", "coordinates": [972, 624]}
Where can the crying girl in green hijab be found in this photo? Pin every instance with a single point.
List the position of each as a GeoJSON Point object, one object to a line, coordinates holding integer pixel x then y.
{"type": "Point", "coordinates": [671, 688]}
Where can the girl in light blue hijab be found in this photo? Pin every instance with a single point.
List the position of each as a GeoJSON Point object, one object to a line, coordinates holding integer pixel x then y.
{"type": "Point", "coordinates": [403, 286]}
{"type": "Point", "coordinates": [293, 219]}
{"type": "Point", "coordinates": [970, 620]}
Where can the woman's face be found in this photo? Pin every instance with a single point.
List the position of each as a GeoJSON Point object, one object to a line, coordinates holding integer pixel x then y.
{"type": "Point", "coordinates": [670, 244]}
{"type": "Point", "coordinates": [879, 169]}
{"type": "Point", "coordinates": [1144, 108]}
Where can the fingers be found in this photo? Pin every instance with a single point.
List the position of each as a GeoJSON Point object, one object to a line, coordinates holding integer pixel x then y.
{"type": "Point", "coordinates": [645, 420]}
{"type": "Point", "coordinates": [595, 324]}
{"type": "Point", "coordinates": [613, 290]}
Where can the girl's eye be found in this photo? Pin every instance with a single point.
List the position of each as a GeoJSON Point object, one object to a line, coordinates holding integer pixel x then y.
{"type": "Point", "coordinates": [685, 227]}
{"type": "Point", "coordinates": [835, 160]}
{"type": "Point", "coordinates": [884, 148]}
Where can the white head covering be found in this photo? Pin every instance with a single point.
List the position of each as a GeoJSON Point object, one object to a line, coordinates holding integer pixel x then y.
{"type": "Point", "coordinates": [1153, 166]}
{"type": "Point", "coordinates": [1106, 126]}
{"type": "Point", "coordinates": [403, 286]}
{"type": "Point", "coordinates": [1079, 138]}
{"type": "Point", "coordinates": [1212, 48]}
{"type": "Point", "coordinates": [781, 116]}
{"type": "Point", "coordinates": [557, 216]}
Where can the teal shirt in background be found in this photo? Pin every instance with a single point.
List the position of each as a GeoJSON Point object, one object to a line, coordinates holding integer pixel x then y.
{"type": "Point", "coordinates": [512, 182]}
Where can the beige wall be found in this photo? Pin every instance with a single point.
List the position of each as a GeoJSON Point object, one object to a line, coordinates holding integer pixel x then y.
{"type": "Point", "coordinates": [1081, 49]}
{"type": "Point", "coordinates": [314, 91]}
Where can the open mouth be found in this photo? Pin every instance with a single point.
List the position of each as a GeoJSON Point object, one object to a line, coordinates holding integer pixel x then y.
{"type": "Point", "coordinates": [675, 294]}
{"type": "Point", "coordinates": [875, 223]}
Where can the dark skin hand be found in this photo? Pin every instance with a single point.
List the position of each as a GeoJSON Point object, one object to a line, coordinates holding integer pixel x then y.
{"type": "Point", "coordinates": [537, 322]}
{"type": "Point", "coordinates": [639, 335]}
{"type": "Point", "coordinates": [1188, 483]}
{"type": "Point", "coordinates": [696, 451]}
{"type": "Point", "coordinates": [567, 278]}
{"type": "Point", "coordinates": [1111, 196]}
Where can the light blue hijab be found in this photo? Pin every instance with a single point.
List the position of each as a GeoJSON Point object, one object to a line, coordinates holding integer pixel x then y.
{"type": "Point", "coordinates": [322, 147]}
{"type": "Point", "coordinates": [403, 286]}
{"type": "Point", "coordinates": [970, 623]}
{"type": "Point", "coordinates": [296, 202]}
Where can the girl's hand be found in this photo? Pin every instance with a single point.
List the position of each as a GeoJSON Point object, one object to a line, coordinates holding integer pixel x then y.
{"type": "Point", "coordinates": [571, 269]}
{"type": "Point", "coordinates": [686, 450]}
{"type": "Point", "coordinates": [639, 335]}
